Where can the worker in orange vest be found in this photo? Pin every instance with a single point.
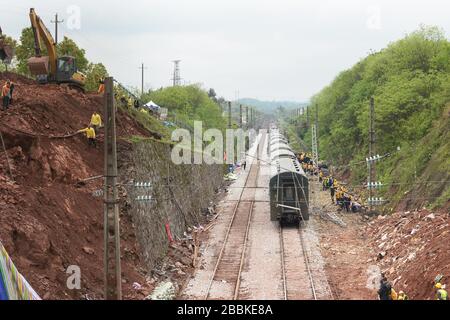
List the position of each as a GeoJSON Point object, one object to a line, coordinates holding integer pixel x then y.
{"type": "Point", "coordinates": [6, 94]}
{"type": "Point", "coordinates": [101, 87]}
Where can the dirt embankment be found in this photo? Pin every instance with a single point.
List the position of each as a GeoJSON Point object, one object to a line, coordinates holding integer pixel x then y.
{"type": "Point", "coordinates": [412, 249]}
{"type": "Point", "coordinates": [48, 220]}
{"type": "Point", "coordinates": [409, 247]}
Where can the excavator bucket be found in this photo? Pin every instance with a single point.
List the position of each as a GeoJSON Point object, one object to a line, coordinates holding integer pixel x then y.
{"type": "Point", "coordinates": [6, 52]}
{"type": "Point", "coordinates": [38, 65]}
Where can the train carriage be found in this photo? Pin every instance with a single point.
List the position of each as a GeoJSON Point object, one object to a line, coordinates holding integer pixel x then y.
{"type": "Point", "coordinates": [288, 186]}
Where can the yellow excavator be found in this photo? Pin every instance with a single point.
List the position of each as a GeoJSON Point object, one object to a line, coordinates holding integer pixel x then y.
{"type": "Point", "coordinates": [51, 68]}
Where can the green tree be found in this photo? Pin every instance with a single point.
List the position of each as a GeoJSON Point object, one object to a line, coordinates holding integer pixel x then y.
{"type": "Point", "coordinates": [13, 44]}
{"type": "Point", "coordinates": [68, 47]}
{"type": "Point", "coordinates": [25, 50]}
{"type": "Point", "coordinates": [95, 72]}
{"type": "Point", "coordinates": [410, 83]}
{"type": "Point", "coordinates": [189, 103]}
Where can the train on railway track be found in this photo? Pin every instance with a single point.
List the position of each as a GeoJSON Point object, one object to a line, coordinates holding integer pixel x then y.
{"type": "Point", "coordinates": [288, 186]}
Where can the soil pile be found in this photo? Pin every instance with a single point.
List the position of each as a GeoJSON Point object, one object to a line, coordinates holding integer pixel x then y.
{"type": "Point", "coordinates": [412, 248]}
{"type": "Point", "coordinates": [48, 219]}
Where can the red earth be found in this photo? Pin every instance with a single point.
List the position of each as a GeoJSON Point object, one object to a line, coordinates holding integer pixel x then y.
{"type": "Point", "coordinates": [48, 219]}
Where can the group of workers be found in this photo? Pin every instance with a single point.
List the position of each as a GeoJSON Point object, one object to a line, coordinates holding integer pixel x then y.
{"type": "Point", "coordinates": [124, 102]}
{"type": "Point", "coordinates": [339, 194]}
{"type": "Point", "coordinates": [307, 163]}
{"type": "Point", "coordinates": [7, 94]}
{"type": "Point", "coordinates": [92, 129]}
{"type": "Point", "coordinates": [387, 292]}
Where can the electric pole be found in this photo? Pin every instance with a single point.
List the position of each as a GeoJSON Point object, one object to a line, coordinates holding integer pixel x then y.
{"type": "Point", "coordinates": [56, 27]}
{"type": "Point", "coordinates": [317, 131]}
{"type": "Point", "coordinates": [307, 116]}
{"type": "Point", "coordinates": [229, 114]}
{"type": "Point", "coordinates": [142, 77]}
{"type": "Point", "coordinates": [112, 268]}
{"type": "Point", "coordinates": [246, 117]}
{"type": "Point", "coordinates": [371, 164]}
{"type": "Point", "coordinates": [240, 115]}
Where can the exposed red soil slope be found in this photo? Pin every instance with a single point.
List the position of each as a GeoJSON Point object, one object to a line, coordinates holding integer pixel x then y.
{"type": "Point", "coordinates": [49, 221]}
{"type": "Point", "coordinates": [412, 248]}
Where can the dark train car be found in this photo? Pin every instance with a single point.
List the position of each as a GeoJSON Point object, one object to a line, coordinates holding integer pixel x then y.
{"type": "Point", "coordinates": [288, 184]}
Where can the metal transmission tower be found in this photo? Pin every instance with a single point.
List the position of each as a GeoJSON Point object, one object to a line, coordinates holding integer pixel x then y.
{"type": "Point", "coordinates": [176, 73]}
{"type": "Point", "coordinates": [371, 164]}
{"type": "Point", "coordinates": [315, 152]}
{"type": "Point", "coordinates": [315, 157]}
{"type": "Point", "coordinates": [112, 270]}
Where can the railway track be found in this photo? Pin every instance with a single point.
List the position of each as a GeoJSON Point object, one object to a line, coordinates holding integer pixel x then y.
{"type": "Point", "coordinates": [230, 262]}
{"type": "Point", "coordinates": [297, 278]}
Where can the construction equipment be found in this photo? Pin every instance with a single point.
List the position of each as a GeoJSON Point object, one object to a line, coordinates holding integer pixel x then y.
{"type": "Point", "coordinates": [6, 52]}
{"type": "Point", "coordinates": [51, 68]}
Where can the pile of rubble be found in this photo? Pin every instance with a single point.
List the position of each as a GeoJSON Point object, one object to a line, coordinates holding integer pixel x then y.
{"type": "Point", "coordinates": [411, 248]}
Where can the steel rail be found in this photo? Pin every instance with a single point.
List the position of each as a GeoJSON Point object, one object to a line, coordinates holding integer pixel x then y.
{"type": "Point", "coordinates": [208, 290]}
{"type": "Point", "coordinates": [306, 259]}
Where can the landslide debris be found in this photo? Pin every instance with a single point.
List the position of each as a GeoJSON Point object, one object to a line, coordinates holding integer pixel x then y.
{"type": "Point", "coordinates": [48, 220]}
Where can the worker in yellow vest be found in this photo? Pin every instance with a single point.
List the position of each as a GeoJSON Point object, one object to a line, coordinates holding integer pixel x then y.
{"type": "Point", "coordinates": [402, 296]}
{"type": "Point", "coordinates": [90, 135]}
{"type": "Point", "coordinates": [393, 294]}
{"type": "Point", "coordinates": [96, 121]}
{"type": "Point", "coordinates": [441, 293]}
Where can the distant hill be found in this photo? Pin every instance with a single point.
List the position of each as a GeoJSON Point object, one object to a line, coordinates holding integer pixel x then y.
{"type": "Point", "coordinates": [271, 106]}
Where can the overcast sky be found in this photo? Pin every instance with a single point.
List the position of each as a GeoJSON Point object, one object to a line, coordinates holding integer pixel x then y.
{"type": "Point", "coordinates": [266, 49]}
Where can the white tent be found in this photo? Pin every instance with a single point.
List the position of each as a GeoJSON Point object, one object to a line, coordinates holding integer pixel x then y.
{"type": "Point", "coordinates": [152, 106]}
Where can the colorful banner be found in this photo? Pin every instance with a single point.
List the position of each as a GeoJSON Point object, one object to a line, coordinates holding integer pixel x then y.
{"type": "Point", "coordinates": [13, 285]}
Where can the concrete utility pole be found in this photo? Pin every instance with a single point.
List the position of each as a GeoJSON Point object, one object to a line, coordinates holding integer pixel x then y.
{"type": "Point", "coordinates": [142, 77]}
{"type": "Point", "coordinates": [246, 117]}
{"type": "Point", "coordinates": [371, 164]}
{"type": "Point", "coordinates": [307, 116]}
{"type": "Point", "coordinates": [56, 27]}
{"type": "Point", "coordinates": [112, 271]}
{"type": "Point", "coordinates": [240, 115]}
{"type": "Point", "coordinates": [317, 130]}
{"type": "Point", "coordinates": [229, 114]}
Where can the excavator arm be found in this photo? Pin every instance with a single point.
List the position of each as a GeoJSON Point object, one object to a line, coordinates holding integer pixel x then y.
{"type": "Point", "coordinates": [39, 65]}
